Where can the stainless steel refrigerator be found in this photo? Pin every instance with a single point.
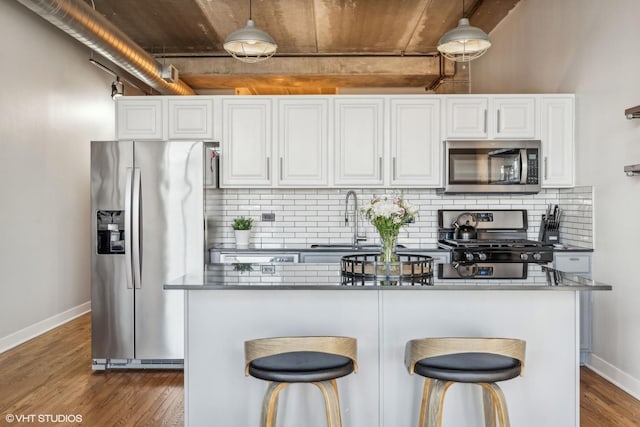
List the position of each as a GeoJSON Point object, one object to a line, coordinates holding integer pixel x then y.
{"type": "Point", "coordinates": [147, 208]}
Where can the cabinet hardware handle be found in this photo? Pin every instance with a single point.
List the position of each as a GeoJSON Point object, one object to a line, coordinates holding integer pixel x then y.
{"type": "Point", "coordinates": [574, 259]}
{"type": "Point", "coordinates": [394, 169]}
{"type": "Point", "coordinates": [485, 120]}
{"type": "Point", "coordinates": [280, 168]}
{"type": "Point", "coordinates": [380, 168]}
{"type": "Point", "coordinates": [268, 168]}
{"type": "Point", "coordinates": [498, 121]}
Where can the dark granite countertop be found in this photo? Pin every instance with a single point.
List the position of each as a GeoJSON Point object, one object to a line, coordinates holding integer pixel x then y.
{"type": "Point", "coordinates": [567, 248]}
{"type": "Point", "coordinates": [362, 248]}
{"type": "Point", "coordinates": [328, 277]}
{"type": "Point", "coordinates": [320, 248]}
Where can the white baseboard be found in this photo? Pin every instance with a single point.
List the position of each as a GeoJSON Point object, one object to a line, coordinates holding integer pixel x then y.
{"type": "Point", "coordinates": [618, 377]}
{"type": "Point", "coordinates": [23, 335]}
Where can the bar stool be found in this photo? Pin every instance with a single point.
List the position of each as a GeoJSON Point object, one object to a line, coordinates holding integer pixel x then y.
{"type": "Point", "coordinates": [482, 361]}
{"type": "Point", "coordinates": [318, 360]}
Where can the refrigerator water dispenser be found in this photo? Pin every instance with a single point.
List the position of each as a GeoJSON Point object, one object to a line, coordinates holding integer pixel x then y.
{"type": "Point", "coordinates": [110, 231]}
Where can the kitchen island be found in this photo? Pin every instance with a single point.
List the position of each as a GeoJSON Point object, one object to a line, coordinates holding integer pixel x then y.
{"type": "Point", "coordinates": [229, 304]}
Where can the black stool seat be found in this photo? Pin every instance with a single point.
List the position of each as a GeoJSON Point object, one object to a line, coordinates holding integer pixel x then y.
{"type": "Point", "coordinates": [301, 367]}
{"type": "Point", "coordinates": [469, 367]}
{"type": "Point", "coordinates": [473, 360]}
{"type": "Point", "coordinates": [317, 360]}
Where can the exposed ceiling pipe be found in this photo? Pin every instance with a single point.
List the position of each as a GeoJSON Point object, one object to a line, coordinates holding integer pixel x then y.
{"type": "Point", "coordinates": [80, 21]}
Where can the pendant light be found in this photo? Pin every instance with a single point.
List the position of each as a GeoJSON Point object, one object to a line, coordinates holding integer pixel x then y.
{"type": "Point", "coordinates": [250, 44]}
{"type": "Point", "coordinates": [464, 43]}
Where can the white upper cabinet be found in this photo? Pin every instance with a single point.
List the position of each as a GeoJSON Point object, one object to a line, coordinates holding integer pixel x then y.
{"type": "Point", "coordinates": [353, 140]}
{"type": "Point", "coordinates": [493, 117]}
{"type": "Point", "coordinates": [190, 118]}
{"type": "Point", "coordinates": [558, 145]}
{"type": "Point", "coordinates": [513, 117]}
{"type": "Point", "coordinates": [358, 141]}
{"type": "Point", "coordinates": [246, 142]}
{"type": "Point", "coordinates": [466, 117]}
{"type": "Point", "coordinates": [302, 136]}
{"type": "Point", "coordinates": [415, 142]}
{"type": "Point", "coordinates": [140, 118]}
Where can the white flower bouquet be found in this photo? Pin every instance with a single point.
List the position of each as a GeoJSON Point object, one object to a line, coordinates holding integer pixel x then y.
{"type": "Point", "coordinates": [389, 213]}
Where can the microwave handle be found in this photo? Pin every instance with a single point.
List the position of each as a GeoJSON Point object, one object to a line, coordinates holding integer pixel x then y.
{"type": "Point", "coordinates": [524, 166]}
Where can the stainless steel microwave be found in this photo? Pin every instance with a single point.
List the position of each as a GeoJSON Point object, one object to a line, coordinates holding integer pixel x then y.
{"type": "Point", "coordinates": [492, 166]}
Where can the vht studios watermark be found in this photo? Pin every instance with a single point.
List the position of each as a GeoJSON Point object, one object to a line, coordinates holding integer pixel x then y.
{"type": "Point", "coordinates": [43, 418]}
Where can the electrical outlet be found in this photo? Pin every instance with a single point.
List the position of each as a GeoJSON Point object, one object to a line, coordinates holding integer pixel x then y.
{"type": "Point", "coordinates": [268, 269]}
{"type": "Point", "coordinates": [269, 217]}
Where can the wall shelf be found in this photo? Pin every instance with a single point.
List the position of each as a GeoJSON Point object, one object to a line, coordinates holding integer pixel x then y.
{"type": "Point", "coordinates": [632, 170]}
{"type": "Point", "coordinates": [633, 112]}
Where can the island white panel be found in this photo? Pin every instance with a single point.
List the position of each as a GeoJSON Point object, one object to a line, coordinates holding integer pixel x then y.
{"type": "Point", "coordinates": [218, 323]}
{"type": "Point", "coordinates": [382, 393]}
{"type": "Point", "coordinates": [547, 393]}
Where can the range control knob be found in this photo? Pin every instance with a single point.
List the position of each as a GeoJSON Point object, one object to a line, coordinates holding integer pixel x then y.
{"type": "Point", "coordinates": [537, 256]}
{"type": "Point", "coordinates": [482, 256]}
{"type": "Point", "coordinates": [468, 256]}
{"type": "Point", "coordinates": [524, 257]}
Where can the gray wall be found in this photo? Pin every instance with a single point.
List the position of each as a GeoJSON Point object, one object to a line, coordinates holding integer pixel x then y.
{"type": "Point", "coordinates": [588, 47]}
{"type": "Point", "coordinates": [53, 103]}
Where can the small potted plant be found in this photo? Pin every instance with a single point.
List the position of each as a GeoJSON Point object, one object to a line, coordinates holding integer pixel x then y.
{"type": "Point", "coordinates": [242, 230]}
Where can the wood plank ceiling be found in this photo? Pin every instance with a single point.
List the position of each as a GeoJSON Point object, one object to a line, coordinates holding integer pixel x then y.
{"type": "Point", "coordinates": [322, 44]}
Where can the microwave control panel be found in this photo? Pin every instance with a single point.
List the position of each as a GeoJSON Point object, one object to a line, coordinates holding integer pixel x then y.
{"type": "Point", "coordinates": [532, 166]}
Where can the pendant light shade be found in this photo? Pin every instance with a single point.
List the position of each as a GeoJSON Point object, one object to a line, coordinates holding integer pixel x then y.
{"type": "Point", "coordinates": [464, 43]}
{"type": "Point", "coordinates": [250, 44]}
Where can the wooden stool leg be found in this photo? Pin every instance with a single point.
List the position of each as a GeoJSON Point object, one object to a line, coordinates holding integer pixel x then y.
{"type": "Point", "coordinates": [270, 404]}
{"type": "Point", "coordinates": [500, 403]}
{"type": "Point", "coordinates": [329, 391]}
{"type": "Point", "coordinates": [489, 406]}
{"type": "Point", "coordinates": [435, 402]}
{"type": "Point", "coordinates": [423, 405]}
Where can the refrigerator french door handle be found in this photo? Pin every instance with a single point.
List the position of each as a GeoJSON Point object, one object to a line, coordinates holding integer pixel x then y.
{"type": "Point", "coordinates": [135, 229]}
{"type": "Point", "coordinates": [128, 231]}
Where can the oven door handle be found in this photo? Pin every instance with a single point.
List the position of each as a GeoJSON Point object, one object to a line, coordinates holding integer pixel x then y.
{"type": "Point", "coordinates": [524, 166]}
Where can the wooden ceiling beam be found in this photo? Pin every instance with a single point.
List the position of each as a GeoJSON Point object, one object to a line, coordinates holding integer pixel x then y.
{"type": "Point", "coordinates": [318, 71]}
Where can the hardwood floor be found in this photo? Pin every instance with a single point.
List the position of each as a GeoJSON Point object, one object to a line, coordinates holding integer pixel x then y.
{"type": "Point", "coordinates": [602, 404]}
{"type": "Point", "coordinates": [51, 376]}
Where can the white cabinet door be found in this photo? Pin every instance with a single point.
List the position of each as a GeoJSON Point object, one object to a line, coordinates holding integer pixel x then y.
{"type": "Point", "coordinates": [246, 142]}
{"type": "Point", "coordinates": [467, 117]}
{"type": "Point", "coordinates": [514, 117]}
{"type": "Point", "coordinates": [415, 142]}
{"type": "Point", "coordinates": [190, 118]}
{"type": "Point", "coordinates": [557, 135]}
{"type": "Point", "coordinates": [302, 136]}
{"type": "Point", "coordinates": [140, 118]}
{"type": "Point", "coordinates": [493, 117]}
{"type": "Point", "coordinates": [358, 141]}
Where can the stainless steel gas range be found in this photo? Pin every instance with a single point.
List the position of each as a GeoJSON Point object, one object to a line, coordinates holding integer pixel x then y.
{"type": "Point", "coordinates": [486, 236]}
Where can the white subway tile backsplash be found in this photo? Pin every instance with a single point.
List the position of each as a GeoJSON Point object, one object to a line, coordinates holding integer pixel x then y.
{"type": "Point", "coordinates": [307, 216]}
{"type": "Point", "coordinates": [576, 227]}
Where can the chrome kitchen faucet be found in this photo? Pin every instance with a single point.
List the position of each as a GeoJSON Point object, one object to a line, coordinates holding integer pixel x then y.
{"type": "Point", "coordinates": [356, 237]}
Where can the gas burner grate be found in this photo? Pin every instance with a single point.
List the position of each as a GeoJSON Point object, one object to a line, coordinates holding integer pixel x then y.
{"type": "Point", "coordinates": [495, 243]}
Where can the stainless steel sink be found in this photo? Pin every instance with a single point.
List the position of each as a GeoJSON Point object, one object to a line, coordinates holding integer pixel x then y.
{"type": "Point", "coordinates": [348, 246]}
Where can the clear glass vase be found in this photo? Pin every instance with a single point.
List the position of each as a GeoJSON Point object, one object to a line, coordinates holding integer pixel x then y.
{"type": "Point", "coordinates": [388, 241]}
{"type": "Point", "coordinates": [388, 263]}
